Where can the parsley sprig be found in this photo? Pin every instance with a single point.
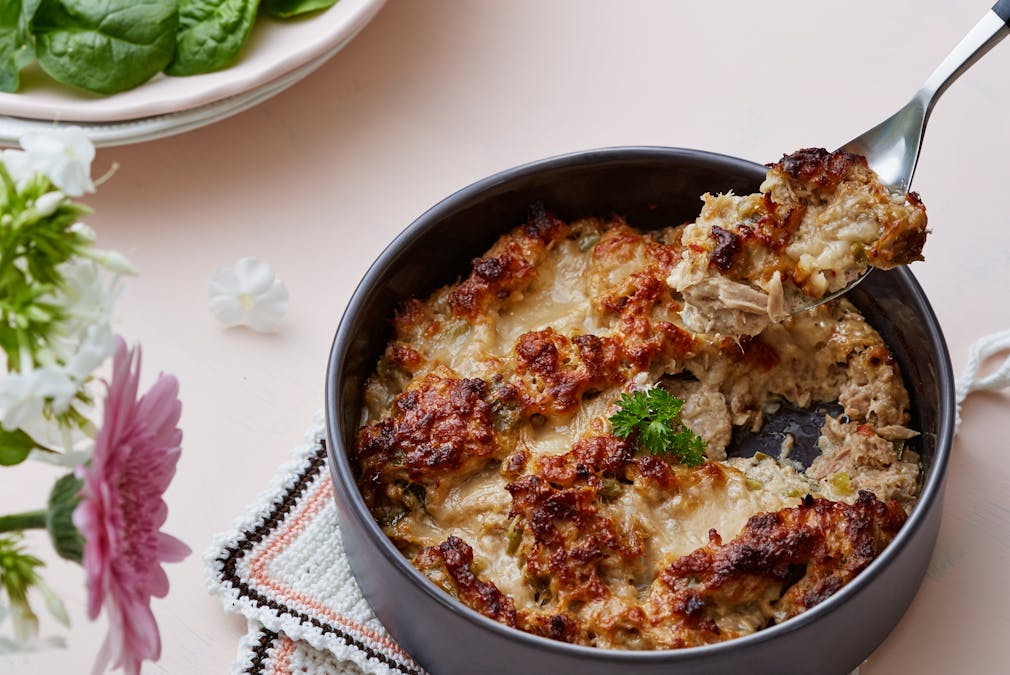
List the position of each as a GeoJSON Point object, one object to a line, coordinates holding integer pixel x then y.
{"type": "Point", "coordinates": [653, 418]}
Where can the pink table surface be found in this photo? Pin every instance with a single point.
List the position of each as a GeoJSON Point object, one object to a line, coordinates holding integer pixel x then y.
{"type": "Point", "coordinates": [434, 95]}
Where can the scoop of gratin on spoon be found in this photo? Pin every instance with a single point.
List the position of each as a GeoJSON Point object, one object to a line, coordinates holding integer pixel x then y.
{"type": "Point", "coordinates": [821, 220]}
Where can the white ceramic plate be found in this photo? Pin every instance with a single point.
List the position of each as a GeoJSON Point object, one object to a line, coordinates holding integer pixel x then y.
{"type": "Point", "coordinates": [276, 49]}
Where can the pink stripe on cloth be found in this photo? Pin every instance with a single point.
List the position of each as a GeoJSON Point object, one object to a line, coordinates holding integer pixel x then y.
{"type": "Point", "coordinates": [259, 567]}
{"type": "Point", "coordinates": [282, 657]}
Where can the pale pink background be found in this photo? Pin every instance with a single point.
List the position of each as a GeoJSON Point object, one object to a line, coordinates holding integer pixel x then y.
{"type": "Point", "coordinates": [434, 95]}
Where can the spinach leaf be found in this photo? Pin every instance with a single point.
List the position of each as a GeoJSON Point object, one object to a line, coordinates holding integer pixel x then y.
{"type": "Point", "coordinates": [211, 33]}
{"type": "Point", "coordinates": [104, 46]}
{"type": "Point", "coordinates": [15, 47]}
{"type": "Point", "coordinates": [286, 8]}
{"type": "Point", "coordinates": [28, 8]}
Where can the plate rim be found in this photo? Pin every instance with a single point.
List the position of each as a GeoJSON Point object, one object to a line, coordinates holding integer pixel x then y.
{"type": "Point", "coordinates": [104, 135]}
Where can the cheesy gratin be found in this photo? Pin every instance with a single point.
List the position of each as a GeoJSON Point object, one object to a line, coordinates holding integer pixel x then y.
{"type": "Point", "coordinates": [820, 221]}
{"type": "Point", "coordinates": [487, 455]}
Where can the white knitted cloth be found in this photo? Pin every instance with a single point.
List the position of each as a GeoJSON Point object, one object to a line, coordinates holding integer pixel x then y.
{"type": "Point", "coordinates": [282, 565]}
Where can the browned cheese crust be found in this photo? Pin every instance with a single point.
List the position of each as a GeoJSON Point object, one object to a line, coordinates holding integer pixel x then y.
{"type": "Point", "coordinates": [487, 456]}
{"type": "Point", "coordinates": [783, 562]}
{"type": "Point", "coordinates": [815, 177]}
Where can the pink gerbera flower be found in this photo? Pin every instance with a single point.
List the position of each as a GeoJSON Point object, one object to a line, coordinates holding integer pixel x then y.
{"type": "Point", "coordinates": [122, 511]}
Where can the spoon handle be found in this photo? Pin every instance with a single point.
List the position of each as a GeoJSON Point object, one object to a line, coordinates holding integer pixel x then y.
{"type": "Point", "coordinates": [1002, 9]}
{"type": "Point", "coordinates": [993, 27]}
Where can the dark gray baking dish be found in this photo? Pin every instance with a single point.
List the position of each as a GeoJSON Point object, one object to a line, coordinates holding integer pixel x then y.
{"type": "Point", "coordinates": [651, 187]}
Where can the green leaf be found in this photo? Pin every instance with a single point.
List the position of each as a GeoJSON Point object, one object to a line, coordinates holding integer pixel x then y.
{"type": "Point", "coordinates": [211, 33]}
{"type": "Point", "coordinates": [105, 46]}
{"type": "Point", "coordinates": [287, 8]}
{"type": "Point", "coordinates": [627, 417]}
{"type": "Point", "coordinates": [16, 49]}
{"type": "Point", "coordinates": [653, 418]}
{"type": "Point", "coordinates": [14, 446]}
{"type": "Point", "coordinates": [63, 499]}
{"type": "Point", "coordinates": [28, 8]}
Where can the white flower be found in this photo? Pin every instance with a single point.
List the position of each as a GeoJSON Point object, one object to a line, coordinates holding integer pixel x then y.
{"type": "Point", "coordinates": [249, 294]}
{"type": "Point", "coordinates": [47, 204]}
{"type": "Point", "coordinates": [67, 459]}
{"type": "Point", "coordinates": [61, 444]}
{"type": "Point", "coordinates": [23, 396]}
{"type": "Point", "coordinates": [76, 346]}
{"type": "Point", "coordinates": [114, 261]}
{"type": "Point", "coordinates": [64, 155]}
{"type": "Point", "coordinates": [26, 623]}
{"type": "Point", "coordinates": [84, 232]}
{"type": "Point", "coordinates": [18, 166]}
{"type": "Point", "coordinates": [87, 302]}
{"type": "Point", "coordinates": [98, 344]}
{"type": "Point", "coordinates": [53, 602]}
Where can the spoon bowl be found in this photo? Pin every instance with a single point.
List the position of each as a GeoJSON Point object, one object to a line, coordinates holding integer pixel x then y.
{"type": "Point", "coordinates": [892, 147]}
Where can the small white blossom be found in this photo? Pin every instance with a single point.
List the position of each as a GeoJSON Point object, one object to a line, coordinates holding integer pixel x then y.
{"type": "Point", "coordinates": [60, 444]}
{"type": "Point", "coordinates": [84, 231]}
{"type": "Point", "coordinates": [114, 261]}
{"type": "Point", "coordinates": [76, 345]}
{"type": "Point", "coordinates": [67, 459]}
{"type": "Point", "coordinates": [87, 301]}
{"type": "Point", "coordinates": [97, 345]}
{"type": "Point", "coordinates": [47, 204]}
{"type": "Point", "coordinates": [23, 396]}
{"type": "Point", "coordinates": [64, 156]}
{"type": "Point", "coordinates": [18, 166]}
{"type": "Point", "coordinates": [26, 622]}
{"type": "Point", "coordinates": [249, 294]}
{"type": "Point", "coordinates": [53, 603]}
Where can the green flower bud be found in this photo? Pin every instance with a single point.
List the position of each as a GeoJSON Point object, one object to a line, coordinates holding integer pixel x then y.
{"type": "Point", "coordinates": [17, 575]}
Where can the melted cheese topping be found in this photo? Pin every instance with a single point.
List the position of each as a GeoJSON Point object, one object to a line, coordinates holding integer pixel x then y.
{"type": "Point", "coordinates": [486, 451]}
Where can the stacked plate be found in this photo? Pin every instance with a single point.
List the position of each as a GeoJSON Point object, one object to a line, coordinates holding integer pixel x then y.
{"type": "Point", "coordinates": [279, 53]}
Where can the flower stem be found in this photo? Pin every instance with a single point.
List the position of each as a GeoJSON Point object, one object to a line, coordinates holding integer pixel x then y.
{"type": "Point", "coordinates": [29, 520]}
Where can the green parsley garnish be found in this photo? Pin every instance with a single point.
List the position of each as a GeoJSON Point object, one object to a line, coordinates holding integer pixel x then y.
{"type": "Point", "coordinates": [653, 417]}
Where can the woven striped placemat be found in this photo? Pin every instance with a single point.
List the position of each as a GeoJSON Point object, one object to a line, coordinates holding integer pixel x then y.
{"type": "Point", "coordinates": [282, 566]}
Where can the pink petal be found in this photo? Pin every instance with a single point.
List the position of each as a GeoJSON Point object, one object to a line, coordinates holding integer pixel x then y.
{"type": "Point", "coordinates": [171, 549]}
{"type": "Point", "coordinates": [160, 406]}
{"type": "Point", "coordinates": [104, 655]}
{"type": "Point", "coordinates": [142, 637]}
{"type": "Point", "coordinates": [160, 478]}
{"type": "Point", "coordinates": [157, 584]}
{"type": "Point", "coordinates": [158, 513]}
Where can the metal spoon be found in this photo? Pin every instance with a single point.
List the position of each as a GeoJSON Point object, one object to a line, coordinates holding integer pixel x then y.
{"type": "Point", "coordinates": [892, 147]}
